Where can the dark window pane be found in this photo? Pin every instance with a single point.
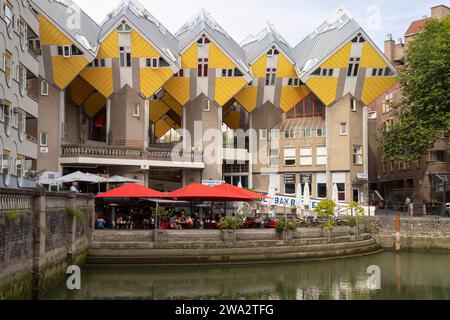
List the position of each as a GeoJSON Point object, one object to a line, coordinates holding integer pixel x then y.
{"type": "Point", "coordinates": [205, 70]}
{"type": "Point", "coordinates": [309, 106]}
{"type": "Point", "coordinates": [322, 190]}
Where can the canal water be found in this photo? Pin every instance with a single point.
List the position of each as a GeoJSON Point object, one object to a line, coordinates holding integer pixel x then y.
{"type": "Point", "coordinates": [418, 275]}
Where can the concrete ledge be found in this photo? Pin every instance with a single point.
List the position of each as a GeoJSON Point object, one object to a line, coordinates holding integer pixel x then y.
{"type": "Point", "coordinates": [415, 241]}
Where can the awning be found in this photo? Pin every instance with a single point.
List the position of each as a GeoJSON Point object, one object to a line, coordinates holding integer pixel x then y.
{"type": "Point", "coordinates": [81, 177]}
{"type": "Point", "coordinates": [300, 124]}
{"type": "Point", "coordinates": [200, 192]}
{"type": "Point", "coordinates": [132, 190]}
{"type": "Point", "coordinates": [233, 189]}
{"type": "Point", "coordinates": [120, 179]}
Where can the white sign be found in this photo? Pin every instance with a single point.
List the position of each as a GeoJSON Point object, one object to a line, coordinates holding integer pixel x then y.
{"type": "Point", "coordinates": [362, 176]}
{"type": "Point", "coordinates": [44, 149]}
{"type": "Point", "coordinates": [282, 201]}
{"type": "Point", "coordinates": [212, 183]}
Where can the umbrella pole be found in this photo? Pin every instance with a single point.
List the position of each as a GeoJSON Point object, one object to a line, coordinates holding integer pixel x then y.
{"type": "Point", "coordinates": [156, 222]}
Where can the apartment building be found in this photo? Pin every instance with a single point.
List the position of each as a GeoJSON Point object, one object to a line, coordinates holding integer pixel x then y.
{"type": "Point", "coordinates": [19, 66]}
{"type": "Point", "coordinates": [427, 179]}
{"type": "Point", "coordinates": [260, 113]}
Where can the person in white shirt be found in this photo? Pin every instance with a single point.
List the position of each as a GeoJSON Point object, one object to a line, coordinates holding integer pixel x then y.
{"type": "Point", "coordinates": [75, 187]}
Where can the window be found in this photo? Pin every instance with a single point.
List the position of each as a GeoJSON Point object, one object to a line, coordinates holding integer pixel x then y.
{"type": "Point", "coordinates": [321, 155]}
{"type": "Point", "coordinates": [341, 191]}
{"type": "Point", "coordinates": [294, 82]}
{"type": "Point", "coordinates": [274, 134]}
{"type": "Point", "coordinates": [6, 163]}
{"type": "Point", "coordinates": [66, 52]}
{"type": "Point", "coordinates": [358, 39]}
{"type": "Point", "coordinates": [19, 172]}
{"type": "Point", "coordinates": [123, 27]}
{"type": "Point", "coordinates": [273, 52]}
{"type": "Point", "coordinates": [321, 190]}
{"type": "Point", "coordinates": [44, 88]}
{"type": "Point", "coordinates": [136, 110]}
{"type": "Point", "coordinates": [353, 67]}
{"type": "Point", "coordinates": [8, 65]}
{"type": "Point", "coordinates": [289, 183]}
{"type": "Point", "coordinates": [125, 57]}
{"type": "Point", "coordinates": [206, 105]}
{"type": "Point", "coordinates": [228, 73]}
{"type": "Point", "coordinates": [321, 132]}
{"type": "Point", "coordinates": [305, 133]}
{"type": "Point", "coordinates": [98, 63]}
{"type": "Point", "coordinates": [152, 63]}
{"type": "Point", "coordinates": [8, 16]}
{"type": "Point", "coordinates": [43, 139]}
{"type": "Point", "coordinates": [263, 134]}
{"type": "Point", "coordinates": [289, 134]}
{"type": "Point", "coordinates": [306, 156]}
{"type": "Point", "coordinates": [179, 74]}
{"type": "Point", "coordinates": [6, 116]}
{"type": "Point", "coordinates": [310, 106]}
{"type": "Point", "coordinates": [22, 79]}
{"type": "Point", "coordinates": [163, 63]}
{"type": "Point", "coordinates": [203, 40]}
{"type": "Point", "coordinates": [76, 51]}
{"type": "Point", "coordinates": [274, 156]}
{"type": "Point", "coordinates": [202, 67]}
{"type": "Point", "coordinates": [21, 123]}
{"type": "Point", "coordinates": [23, 33]}
{"type": "Point", "coordinates": [271, 74]}
{"type": "Point", "coordinates": [323, 72]}
{"type": "Point", "coordinates": [382, 72]}
{"type": "Point", "coordinates": [289, 156]}
{"type": "Point", "coordinates": [353, 105]}
{"type": "Point", "coordinates": [357, 154]}
{"type": "Point", "coordinates": [343, 129]}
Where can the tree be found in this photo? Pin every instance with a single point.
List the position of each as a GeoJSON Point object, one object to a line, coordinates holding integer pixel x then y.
{"type": "Point", "coordinates": [423, 116]}
{"type": "Point", "coordinates": [325, 210]}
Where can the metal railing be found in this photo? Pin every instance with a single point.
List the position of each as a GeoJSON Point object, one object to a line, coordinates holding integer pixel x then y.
{"type": "Point", "coordinates": [170, 155]}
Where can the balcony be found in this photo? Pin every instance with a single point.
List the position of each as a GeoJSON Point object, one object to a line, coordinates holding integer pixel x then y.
{"type": "Point", "coordinates": [128, 156]}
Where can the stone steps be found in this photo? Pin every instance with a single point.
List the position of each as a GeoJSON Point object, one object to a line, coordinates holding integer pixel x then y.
{"type": "Point", "coordinates": [230, 255]}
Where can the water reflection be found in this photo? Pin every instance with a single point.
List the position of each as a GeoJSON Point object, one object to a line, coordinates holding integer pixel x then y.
{"type": "Point", "coordinates": [404, 276]}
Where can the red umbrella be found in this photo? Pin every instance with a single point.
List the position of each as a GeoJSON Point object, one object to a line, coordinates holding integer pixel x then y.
{"type": "Point", "coordinates": [233, 189]}
{"type": "Point", "coordinates": [199, 191]}
{"type": "Point", "coordinates": [132, 190]}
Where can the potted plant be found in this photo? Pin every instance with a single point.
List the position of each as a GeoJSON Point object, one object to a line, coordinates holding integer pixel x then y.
{"type": "Point", "coordinates": [356, 219]}
{"type": "Point", "coordinates": [285, 227]}
{"type": "Point", "coordinates": [325, 211]}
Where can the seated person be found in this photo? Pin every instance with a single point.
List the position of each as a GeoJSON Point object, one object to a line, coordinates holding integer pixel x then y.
{"type": "Point", "coordinates": [100, 224]}
{"type": "Point", "coordinates": [189, 223]}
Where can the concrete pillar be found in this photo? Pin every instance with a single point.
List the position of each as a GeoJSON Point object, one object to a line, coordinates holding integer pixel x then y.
{"type": "Point", "coordinates": [38, 241]}
{"type": "Point", "coordinates": [328, 172]}
{"type": "Point", "coordinates": [62, 104]}
{"type": "Point", "coordinates": [108, 121]}
{"type": "Point", "coordinates": [146, 123]}
{"type": "Point", "coordinates": [71, 228]}
{"type": "Point", "coordinates": [91, 219]}
{"type": "Point", "coordinates": [252, 152]}
{"type": "Point", "coordinates": [365, 188]}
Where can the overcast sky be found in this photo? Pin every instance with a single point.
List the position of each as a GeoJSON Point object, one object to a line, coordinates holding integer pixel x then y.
{"type": "Point", "coordinates": [294, 19]}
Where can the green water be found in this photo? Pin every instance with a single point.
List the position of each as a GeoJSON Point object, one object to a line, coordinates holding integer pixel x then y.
{"type": "Point", "coordinates": [418, 275]}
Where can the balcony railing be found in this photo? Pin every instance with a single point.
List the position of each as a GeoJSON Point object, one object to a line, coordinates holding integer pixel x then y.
{"type": "Point", "coordinates": [32, 96]}
{"type": "Point", "coordinates": [130, 153]}
{"type": "Point", "coordinates": [101, 152]}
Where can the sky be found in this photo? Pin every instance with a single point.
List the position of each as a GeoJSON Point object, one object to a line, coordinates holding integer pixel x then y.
{"type": "Point", "coordinates": [294, 19]}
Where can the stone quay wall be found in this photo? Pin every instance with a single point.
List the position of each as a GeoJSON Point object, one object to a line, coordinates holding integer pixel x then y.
{"type": "Point", "coordinates": [39, 239]}
{"type": "Point", "coordinates": [421, 233]}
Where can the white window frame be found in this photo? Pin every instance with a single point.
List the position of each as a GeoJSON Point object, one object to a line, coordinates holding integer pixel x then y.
{"type": "Point", "coordinates": [206, 106]}
{"type": "Point", "coordinates": [44, 88]}
{"type": "Point", "coordinates": [287, 157]}
{"type": "Point", "coordinates": [271, 75]}
{"type": "Point", "coordinates": [42, 134]}
{"type": "Point", "coordinates": [341, 126]}
{"type": "Point", "coordinates": [275, 134]}
{"type": "Point", "coordinates": [274, 156]}
{"type": "Point", "coordinates": [136, 110]}
{"type": "Point", "coordinates": [321, 157]}
{"type": "Point", "coordinates": [353, 105]}
{"type": "Point", "coordinates": [67, 51]}
{"type": "Point", "coordinates": [262, 134]}
{"type": "Point", "coordinates": [358, 155]}
{"type": "Point", "coordinates": [306, 156]}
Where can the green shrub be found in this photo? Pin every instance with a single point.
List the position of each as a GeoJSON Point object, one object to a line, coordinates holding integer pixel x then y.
{"type": "Point", "coordinates": [75, 213]}
{"type": "Point", "coordinates": [285, 224]}
{"type": "Point", "coordinates": [230, 223]}
{"type": "Point", "coordinates": [325, 210]}
{"type": "Point", "coordinates": [14, 214]}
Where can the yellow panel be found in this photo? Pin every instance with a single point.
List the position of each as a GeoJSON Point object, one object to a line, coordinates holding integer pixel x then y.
{"type": "Point", "coordinates": [94, 104]}
{"type": "Point", "coordinates": [153, 79]}
{"type": "Point", "coordinates": [226, 88]}
{"type": "Point", "coordinates": [259, 67]}
{"type": "Point", "coordinates": [50, 35]}
{"type": "Point", "coordinates": [161, 128]}
{"type": "Point", "coordinates": [189, 57]}
{"type": "Point", "coordinates": [80, 90]}
{"type": "Point", "coordinates": [370, 58]}
{"type": "Point", "coordinates": [285, 68]}
{"type": "Point", "coordinates": [233, 120]}
{"type": "Point", "coordinates": [218, 60]}
{"type": "Point", "coordinates": [141, 48]}
{"type": "Point", "coordinates": [100, 78]}
{"type": "Point", "coordinates": [340, 59]}
{"type": "Point", "coordinates": [157, 110]}
{"type": "Point", "coordinates": [109, 48]}
{"type": "Point", "coordinates": [66, 69]}
{"type": "Point", "coordinates": [290, 96]}
{"type": "Point", "coordinates": [171, 123]}
{"type": "Point", "coordinates": [173, 104]}
{"type": "Point", "coordinates": [247, 98]}
{"type": "Point", "coordinates": [324, 88]}
{"type": "Point", "coordinates": [179, 89]}
{"type": "Point", "coordinates": [374, 87]}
